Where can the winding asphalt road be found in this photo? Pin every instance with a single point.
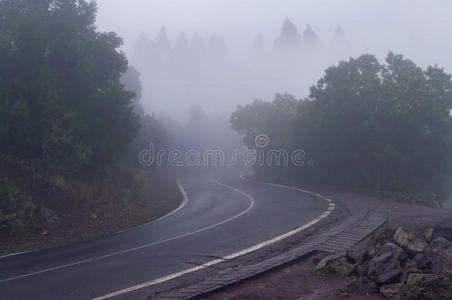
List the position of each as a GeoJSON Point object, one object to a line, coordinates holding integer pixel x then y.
{"type": "Point", "coordinates": [221, 216]}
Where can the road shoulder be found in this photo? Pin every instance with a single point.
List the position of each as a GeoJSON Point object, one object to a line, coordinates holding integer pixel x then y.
{"type": "Point", "coordinates": [112, 205]}
{"type": "Point", "coordinates": [297, 279]}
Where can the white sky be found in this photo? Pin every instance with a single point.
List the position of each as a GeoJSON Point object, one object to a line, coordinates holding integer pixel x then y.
{"type": "Point", "coordinates": [373, 25]}
{"type": "Point", "coordinates": [419, 29]}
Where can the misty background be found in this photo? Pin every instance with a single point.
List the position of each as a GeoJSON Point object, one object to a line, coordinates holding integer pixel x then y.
{"type": "Point", "coordinates": [218, 54]}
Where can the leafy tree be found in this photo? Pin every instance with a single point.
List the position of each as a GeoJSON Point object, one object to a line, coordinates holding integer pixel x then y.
{"type": "Point", "coordinates": [273, 119]}
{"type": "Point", "coordinates": [381, 126]}
{"type": "Point", "coordinates": [60, 93]}
{"type": "Point", "coordinates": [151, 131]}
{"type": "Point", "coordinates": [337, 127]}
{"type": "Point", "coordinates": [131, 81]}
{"type": "Point", "coordinates": [366, 124]}
{"type": "Point", "coordinates": [419, 120]}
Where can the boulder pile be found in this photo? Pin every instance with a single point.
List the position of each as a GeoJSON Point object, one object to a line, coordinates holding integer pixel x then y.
{"type": "Point", "coordinates": [408, 265]}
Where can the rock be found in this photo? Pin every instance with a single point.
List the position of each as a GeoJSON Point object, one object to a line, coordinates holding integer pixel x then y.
{"type": "Point", "coordinates": [24, 208]}
{"type": "Point", "coordinates": [395, 250]}
{"type": "Point", "coordinates": [335, 263]}
{"type": "Point", "coordinates": [392, 291]}
{"type": "Point", "coordinates": [48, 216]}
{"type": "Point", "coordinates": [322, 266]}
{"type": "Point", "coordinates": [428, 286]}
{"type": "Point", "coordinates": [342, 293]}
{"type": "Point", "coordinates": [361, 286]}
{"type": "Point", "coordinates": [429, 260]}
{"type": "Point", "coordinates": [59, 182]}
{"type": "Point", "coordinates": [428, 234]}
{"type": "Point", "coordinates": [407, 273]}
{"type": "Point", "coordinates": [375, 251]}
{"type": "Point", "coordinates": [362, 269]}
{"type": "Point", "coordinates": [341, 266]}
{"type": "Point", "coordinates": [410, 265]}
{"type": "Point", "coordinates": [445, 232]}
{"type": "Point", "coordinates": [357, 256]}
{"type": "Point", "coordinates": [319, 256]}
{"type": "Point", "coordinates": [410, 240]}
{"type": "Point", "coordinates": [447, 272]}
{"type": "Point", "coordinates": [385, 269]}
{"type": "Point", "coordinates": [441, 246]}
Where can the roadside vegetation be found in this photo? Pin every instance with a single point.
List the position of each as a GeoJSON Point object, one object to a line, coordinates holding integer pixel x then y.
{"type": "Point", "coordinates": [71, 126]}
{"type": "Point", "coordinates": [365, 125]}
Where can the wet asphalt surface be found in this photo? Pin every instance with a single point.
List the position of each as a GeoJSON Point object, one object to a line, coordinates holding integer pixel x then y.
{"type": "Point", "coordinates": [216, 221]}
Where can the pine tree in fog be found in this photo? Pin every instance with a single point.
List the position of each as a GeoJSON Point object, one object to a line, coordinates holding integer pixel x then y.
{"type": "Point", "coordinates": [162, 45]}
{"type": "Point", "coordinates": [197, 71]}
{"type": "Point", "coordinates": [310, 39]}
{"type": "Point", "coordinates": [181, 50]}
{"type": "Point", "coordinates": [258, 44]}
{"type": "Point", "coordinates": [289, 39]}
{"type": "Point", "coordinates": [340, 46]}
{"type": "Point", "coordinates": [217, 47]}
{"type": "Point", "coordinates": [142, 48]}
{"type": "Point", "coordinates": [197, 50]}
{"type": "Point", "coordinates": [182, 69]}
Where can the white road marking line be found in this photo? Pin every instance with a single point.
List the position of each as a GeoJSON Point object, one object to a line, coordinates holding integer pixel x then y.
{"type": "Point", "coordinates": [184, 202]}
{"type": "Point", "coordinates": [133, 249]}
{"type": "Point", "coordinates": [279, 238]}
{"type": "Point", "coordinates": [17, 253]}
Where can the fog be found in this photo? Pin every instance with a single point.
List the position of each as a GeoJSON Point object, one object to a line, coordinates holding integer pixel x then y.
{"type": "Point", "coordinates": [217, 54]}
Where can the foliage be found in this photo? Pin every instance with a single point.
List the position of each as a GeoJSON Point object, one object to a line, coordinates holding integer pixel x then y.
{"type": "Point", "coordinates": [131, 81]}
{"type": "Point", "coordinates": [273, 119]}
{"type": "Point", "coordinates": [366, 124]}
{"type": "Point", "coordinates": [16, 208]}
{"type": "Point", "coordinates": [151, 131]}
{"type": "Point", "coordinates": [61, 100]}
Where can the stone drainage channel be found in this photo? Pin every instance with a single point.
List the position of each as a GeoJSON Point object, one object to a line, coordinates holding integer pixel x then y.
{"type": "Point", "coordinates": [347, 234]}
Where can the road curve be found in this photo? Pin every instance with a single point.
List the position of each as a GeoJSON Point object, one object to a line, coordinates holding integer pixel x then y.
{"type": "Point", "coordinates": [220, 217]}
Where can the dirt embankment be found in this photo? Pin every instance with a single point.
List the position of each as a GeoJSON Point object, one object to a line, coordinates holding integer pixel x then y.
{"type": "Point", "coordinates": [62, 211]}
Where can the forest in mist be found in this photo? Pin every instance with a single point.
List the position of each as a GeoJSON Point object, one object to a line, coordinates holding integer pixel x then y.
{"type": "Point", "coordinates": [77, 105]}
{"type": "Point", "coordinates": [222, 53]}
{"type": "Point", "coordinates": [196, 71]}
